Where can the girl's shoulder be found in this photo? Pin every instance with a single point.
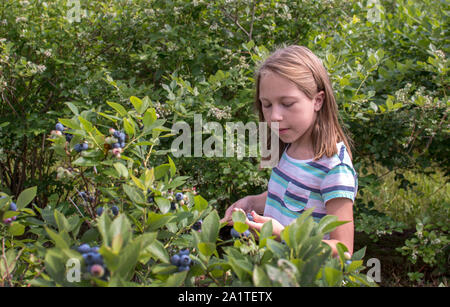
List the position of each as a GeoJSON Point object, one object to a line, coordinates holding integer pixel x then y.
{"type": "Point", "coordinates": [341, 157]}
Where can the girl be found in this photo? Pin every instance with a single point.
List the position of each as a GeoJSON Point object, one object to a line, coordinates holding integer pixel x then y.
{"type": "Point", "coordinates": [315, 167]}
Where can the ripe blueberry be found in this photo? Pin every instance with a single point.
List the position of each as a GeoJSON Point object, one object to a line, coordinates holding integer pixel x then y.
{"type": "Point", "coordinates": [59, 127]}
{"type": "Point", "coordinates": [115, 210]}
{"type": "Point", "coordinates": [183, 268]}
{"type": "Point", "coordinates": [77, 148]}
{"type": "Point", "coordinates": [197, 225]}
{"type": "Point", "coordinates": [250, 217]}
{"type": "Point", "coordinates": [84, 146]}
{"type": "Point", "coordinates": [13, 206]}
{"type": "Point", "coordinates": [84, 248]}
{"type": "Point", "coordinates": [234, 233]}
{"type": "Point", "coordinates": [116, 145]}
{"type": "Point", "coordinates": [99, 211]}
{"type": "Point", "coordinates": [184, 252]}
{"type": "Point", "coordinates": [185, 260]}
{"type": "Point", "coordinates": [179, 196]}
{"type": "Point", "coordinates": [175, 260]}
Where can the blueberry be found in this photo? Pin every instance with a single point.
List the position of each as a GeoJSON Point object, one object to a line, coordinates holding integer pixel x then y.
{"type": "Point", "coordinates": [116, 145]}
{"type": "Point", "coordinates": [150, 199]}
{"type": "Point", "coordinates": [183, 268]}
{"type": "Point", "coordinates": [97, 258]}
{"type": "Point", "coordinates": [99, 211]}
{"type": "Point", "coordinates": [115, 210]}
{"type": "Point", "coordinates": [348, 262]}
{"type": "Point", "coordinates": [184, 252]}
{"type": "Point", "coordinates": [95, 249]}
{"type": "Point", "coordinates": [77, 147]}
{"type": "Point", "coordinates": [246, 233]}
{"type": "Point", "coordinates": [116, 134]}
{"type": "Point", "coordinates": [122, 144]}
{"type": "Point", "coordinates": [234, 233]}
{"type": "Point", "coordinates": [197, 225]}
{"type": "Point", "coordinates": [8, 221]}
{"type": "Point", "coordinates": [84, 248]}
{"type": "Point", "coordinates": [84, 146]}
{"type": "Point", "coordinates": [175, 260]}
{"type": "Point", "coordinates": [68, 137]}
{"type": "Point", "coordinates": [13, 206]}
{"type": "Point", "coordinates": [89, 258]}
{"type": "Point", "coordinates": [59, 127]}
{"type": "Point", "coordinates": [250, 217]}
{"type": "Point", "coordinates": [179, 196]}
{"type": "Point", "coordinates": [173, 206]}
{"type": "Point", "coordinates": [122, 137]}
{"type": "Point", "coordinates": [185, 260]}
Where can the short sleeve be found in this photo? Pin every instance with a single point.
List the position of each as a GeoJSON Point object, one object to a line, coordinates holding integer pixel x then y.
{"type": "Point", "coordinates": [340, 181]}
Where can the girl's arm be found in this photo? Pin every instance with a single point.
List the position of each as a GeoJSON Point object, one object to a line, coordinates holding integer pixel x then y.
{"type": "Point", "coordinates": [258, 202]}
{"type": "Point", "coordinates": [343, 209]}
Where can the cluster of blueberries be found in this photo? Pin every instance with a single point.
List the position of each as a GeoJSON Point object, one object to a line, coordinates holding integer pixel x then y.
{"type": "Point", "coordinates": [86, 196]}
{"type": "Point", "coordinates": [246, 233]}
{"type": "Point", "coordinates": [114, 210]}
{"type": "Point", "coordinates": [80, 147]}
{"type": "Point", "coordinates": [93, 260]}
{"type": "Point", "coordinates": [181, 260]}
{"type": "Point", "coordinates": [120, 136]}
{"type": "Point", "coordinates": [12, 207]}
{"type": "Point", "coordinates": [60, 127]}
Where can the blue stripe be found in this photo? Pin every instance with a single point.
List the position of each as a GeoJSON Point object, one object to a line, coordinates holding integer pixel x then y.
{"type": "Point", "coordinates": [289, 179]}
{"type": "Point", "coordinates": [338, 188]}
{"type": "Point", "coordinates": [341, 154]}
{"type": "Point", "coordinates": [283, 206]}
{"type": "Point", "coordinates": [318, 166]}
{"type": "Point", "coordinates": [297, 198]}
{"type": "Point", "coordinates": [307, 168]}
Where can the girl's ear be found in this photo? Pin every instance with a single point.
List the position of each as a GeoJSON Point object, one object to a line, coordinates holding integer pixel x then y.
{"type": "Point", "coordinates": [318, 100]}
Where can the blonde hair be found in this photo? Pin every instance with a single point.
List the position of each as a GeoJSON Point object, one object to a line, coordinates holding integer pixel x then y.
{"type": "Point", "coordinates": [304, 68]}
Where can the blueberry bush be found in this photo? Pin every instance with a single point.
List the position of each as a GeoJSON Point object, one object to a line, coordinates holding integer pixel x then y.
{"type": "Point", "coordinates": [133, 222]}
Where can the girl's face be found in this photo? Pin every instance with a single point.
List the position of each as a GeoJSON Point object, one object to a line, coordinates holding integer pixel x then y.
{"type": "Point", "coordinates": [284, 103]}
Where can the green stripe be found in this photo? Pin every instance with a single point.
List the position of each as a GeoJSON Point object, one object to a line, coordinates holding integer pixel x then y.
{"type": "Point", "coordinates": [338, 194]}
{"type": "Point", "coordinates": [341, 169]}
{"type": "Point", "coordinates": [309, 169]}
{"type": "Point", "coordinates": [281, 209]}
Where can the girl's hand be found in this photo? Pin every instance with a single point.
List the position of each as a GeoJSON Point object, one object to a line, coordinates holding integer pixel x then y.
{"type": "Point", "coordinates": [242, 204]}
{"type": "Point", "coordinates": [259, 220]}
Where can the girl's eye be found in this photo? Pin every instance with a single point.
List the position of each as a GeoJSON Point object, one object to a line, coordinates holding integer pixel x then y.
{"type": "Point", "coordinates": [287, 105]}
{"type": "Point", "coordinates": [266, 106]}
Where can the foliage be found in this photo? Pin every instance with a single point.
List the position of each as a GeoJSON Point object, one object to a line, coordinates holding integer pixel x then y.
{"type": "Point", "coordinates": [137, 244]}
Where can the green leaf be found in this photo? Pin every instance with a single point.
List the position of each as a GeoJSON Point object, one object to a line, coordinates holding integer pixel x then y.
{"type": "Point", "coordinates": [57, 238]}
{"type": "Point", "coordinates": [332, 276]}
{"type": "Point", "coordinates": [207, 248]}
{"type": "Point", "coordinates": [240, 227]}
{"type": "Point", "coordinates": [26, 197]}
{"type": "Point", "coordinates": [158, 251]}
{"type": "Point", "coordinates": [200, 203]}
{"type": "Point", "coordinates": [137, 103]}
{"type": "Point", "coordinates": [238, 216]}
{"type": "Point", "coordinates": [163, 204]}
{"type": "Point", "coordinates": [161, 170]}
{"type": "Point", "coordinates": [149, 118]}
{"type": "Point", "coordinates": [121, 169]}
{"type": "Point", "coordinates": [129, 127]}
{"type": "Point", "coordinates": [173, 169]}
{"type": "Point", "coordinates": [16, 229]}
{"type": "Point", "coordinates": [176, 280]}
{"type": "Point", "coordinates": [119, 108]}
{"type": "Point", "coordinates": [61, 221]}
{"type": "Point", "coordinates": [134, 194]}
{"type": "Point", "coordinates": [210, 227]}
{"type": "Point", "coordinates": [86, 124]}
{"type": "Point", "coordinates": [260, 278]}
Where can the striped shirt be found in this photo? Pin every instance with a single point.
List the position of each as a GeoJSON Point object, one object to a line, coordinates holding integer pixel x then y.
{"type": "Point", "coordinates": [297, 185]}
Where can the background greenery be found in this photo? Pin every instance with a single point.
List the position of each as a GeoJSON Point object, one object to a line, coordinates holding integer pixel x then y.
{"type": "Point", "coordinates": [388, 61]}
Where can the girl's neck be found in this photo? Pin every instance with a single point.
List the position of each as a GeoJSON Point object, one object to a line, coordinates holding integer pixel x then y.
{"type": "Point", "coordinates": [302, 148]}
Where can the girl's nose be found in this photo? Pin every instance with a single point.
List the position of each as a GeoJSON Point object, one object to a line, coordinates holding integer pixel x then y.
{"type": "Point", "coordinates": [276, 115]}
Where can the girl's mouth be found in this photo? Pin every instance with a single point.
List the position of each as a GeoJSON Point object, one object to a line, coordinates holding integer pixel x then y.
{"type": "Point", "coordinates": [281, 131]}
